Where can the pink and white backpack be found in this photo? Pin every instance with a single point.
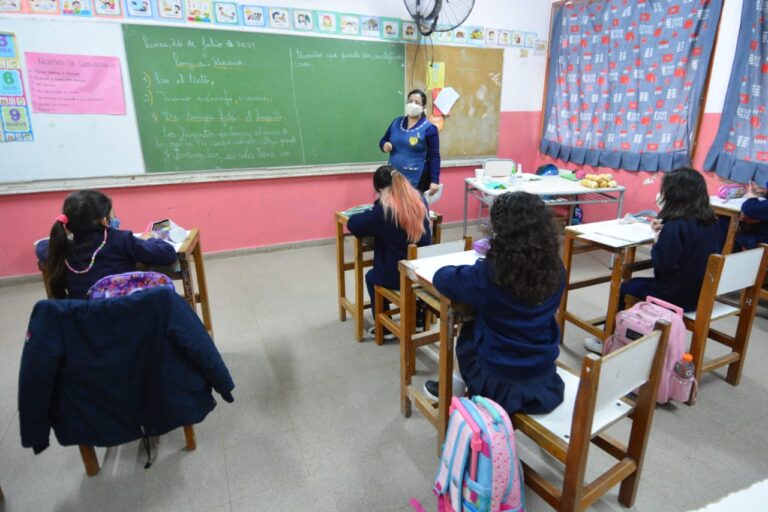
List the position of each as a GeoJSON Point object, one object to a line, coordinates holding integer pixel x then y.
{"type": "Point", "coordinates": [639, 320]}
{"type": "Point", "coordinates": [479, 469]}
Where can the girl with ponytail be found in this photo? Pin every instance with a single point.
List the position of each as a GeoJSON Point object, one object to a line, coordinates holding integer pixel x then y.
{"type": "Point", "coordinates": [85, 245]}
{"type": "Point", "coordinates": [399, 217]}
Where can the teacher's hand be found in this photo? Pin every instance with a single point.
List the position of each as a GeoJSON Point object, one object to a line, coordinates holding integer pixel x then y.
{"type": "Point", "coordinates": [387, 147]}
{"type": "Point", "coordinates": [433, 188]}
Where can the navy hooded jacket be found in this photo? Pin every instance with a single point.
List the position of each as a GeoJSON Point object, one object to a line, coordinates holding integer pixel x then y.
{"type": "Point", "coordinates": [106, 372]}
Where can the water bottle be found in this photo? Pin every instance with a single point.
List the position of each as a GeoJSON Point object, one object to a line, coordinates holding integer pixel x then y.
{"type": "Point", "coordinates": [684, 368]}
{"type": "Point", "coordinates": [517, 185]}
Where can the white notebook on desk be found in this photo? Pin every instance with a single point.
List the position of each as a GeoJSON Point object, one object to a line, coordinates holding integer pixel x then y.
{"type": "Point", "coordinates": [617, 233]}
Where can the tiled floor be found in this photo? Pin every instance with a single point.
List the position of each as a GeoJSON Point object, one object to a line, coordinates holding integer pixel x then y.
{"type": "Point", "coordinates": [316, 424]}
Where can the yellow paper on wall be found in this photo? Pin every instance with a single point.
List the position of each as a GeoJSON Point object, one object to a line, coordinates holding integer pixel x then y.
{"type": "Point", "coordinates": [435, 75]}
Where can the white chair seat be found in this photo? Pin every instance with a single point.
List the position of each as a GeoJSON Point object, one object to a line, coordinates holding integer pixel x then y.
{"type": "Point", "coordinates": [719, 310]}
{"type": "Point", "coordinates": [559, 421]}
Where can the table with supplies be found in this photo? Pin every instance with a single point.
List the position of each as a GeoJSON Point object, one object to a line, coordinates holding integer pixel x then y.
{"type": "Point", "coordinates": [419, 272]}
{"type": "Point", "coordinates": [357, 305]}
{"type": "Point", "coordinates": [619, 238]}
{"type": "Point", "coordinates": [554, 190]}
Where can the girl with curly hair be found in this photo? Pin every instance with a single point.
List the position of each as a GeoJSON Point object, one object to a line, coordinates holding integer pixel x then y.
{"type": "Point", "coordinates": [508, 352]}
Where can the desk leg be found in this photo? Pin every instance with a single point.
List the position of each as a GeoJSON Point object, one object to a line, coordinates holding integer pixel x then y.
{"type": "Point", "coordinates": [466, 199]}
{"type": "Point", "coordinates": [359, 301]}
{"type": "Point", "coordinates": [202, 287]}
{"type": "Point", "coordinates": [730, 239]}
{"type": "Point", "coordinates": [445, 371]}
{"type": "Point", "coordinates": [619, 264]}
{"type": "Point", "coordinates": [567, 262]}
{"type": "Point", "coordinates": [342, 285]}
{"type": "Point", "coordinates": [407, 327]}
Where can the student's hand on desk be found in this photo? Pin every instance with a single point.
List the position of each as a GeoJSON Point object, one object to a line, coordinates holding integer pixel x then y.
{"type": "Point", "coordinates": [433, 188]}
{"type": "Point", "coordinates": [147, 235]}
{"type": "Point", "coordinates": [656, 225]}
{"type": "Point", "coordinates": [387, 147]}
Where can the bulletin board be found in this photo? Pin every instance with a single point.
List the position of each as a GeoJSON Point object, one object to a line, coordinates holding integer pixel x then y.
{"type": "Point", "coordinates": [472, 128]}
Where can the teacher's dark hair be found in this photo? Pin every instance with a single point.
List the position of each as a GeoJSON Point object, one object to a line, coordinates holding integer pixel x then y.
{"type": "Point", "coordinates": [524, 253]}
{"type": "Point", "coordinates": [420, 93]}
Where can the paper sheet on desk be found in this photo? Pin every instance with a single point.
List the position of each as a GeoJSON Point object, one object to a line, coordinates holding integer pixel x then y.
{"type": "Point", "coordinates": [446, 99]}
{"type": "Point", "coordinates": [618, 234]}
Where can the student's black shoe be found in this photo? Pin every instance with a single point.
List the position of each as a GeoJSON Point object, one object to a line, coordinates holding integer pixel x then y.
{"type": "Point", "coordinates": [431, 389]}
{"type": "Point", "coordinates": [420, 317]}
{"type": "Point", "coordinates": [387, 335]}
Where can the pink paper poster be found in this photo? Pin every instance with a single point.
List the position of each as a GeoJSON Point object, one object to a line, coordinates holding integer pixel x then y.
{"type": "Point", "coordinates": [75, 84]}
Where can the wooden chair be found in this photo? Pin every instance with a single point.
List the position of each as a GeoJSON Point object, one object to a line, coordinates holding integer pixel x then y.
{"type": "Point", "coordinates": [385, 318]}
{"type": "Point", "coordinates": [593, 402]}
{"type": "Point", "coordinates": [88, 453]}
{"type": "Point", "coordinates": [742, 271]}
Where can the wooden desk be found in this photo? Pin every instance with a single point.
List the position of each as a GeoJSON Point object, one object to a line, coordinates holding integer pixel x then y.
{"type": "Point", "coordinates": [730, 208]}
{"type": "Point", "coordinates": [189, 252]}
{"type": "Point", "coordinates": [591, 237]}
{"type": "Point", "coordinates": [357, 306]}
{"type": "Point", "coordinates": [554, 190]}
{"type": "Point", "coordinates": [420, 272]}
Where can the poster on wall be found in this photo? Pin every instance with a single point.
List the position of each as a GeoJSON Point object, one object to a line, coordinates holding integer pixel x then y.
{"type": "Point", "coordinates": [10, 5]}
{"type": "Point", "coordinates": [15, 124]}
{"type": "Point", "coordinates": [327, 22]}
{"type": "Point", "coordinates": [75, 84]}
{"type": "Point", "coordinates": [76, 8]}
{"type": "Point", "coordinates": [302, 20]}
{"type": "Point", "coordinates": [108, 8]}
{"type": "Point", "coordinates": [278, 18]}
{"type": "Point", "coordinates": [170, 9]}
{"type": "Point", "coordinates": [44, 6]}
{"type": "Point", "coordinates": [370, 26]}
{"type": "Point", "coordinates": [138, 8]}
{"type": "Point", "coordinates": [390, 28]}
{"type": "Point", "coordinates": [199, 11]}
{"type": "Point", "coordinates": [225, 13]}
{"type": "Point", "coordinates": [254, 16]}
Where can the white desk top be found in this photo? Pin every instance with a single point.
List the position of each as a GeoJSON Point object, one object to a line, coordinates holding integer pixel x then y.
{"type": "Point", "coordinates": [727, 204]}
{"type": "Point", "coordinates": [539, 185]}
{"type": "Point", "coordinates": [425, 268]}
{"type": "Point", "coordinates": [615, 233]}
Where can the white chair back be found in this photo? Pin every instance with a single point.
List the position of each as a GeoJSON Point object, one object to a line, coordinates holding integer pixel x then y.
{"type": "Point", "coordinates": [740, 270]}
{"type": "Point", "coordinates": [626, 369]}
{"type": "Point", "coordinates": [498, 168]}
{"type": "Point", "coordinates": [428, 251]}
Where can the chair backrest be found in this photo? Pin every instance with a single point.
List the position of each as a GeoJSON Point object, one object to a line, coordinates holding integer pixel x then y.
{"type": "Point", "coordinates": [740, 270]}
{"type": "Point", "coordinates": [498, 168]}
{"type": "Point", "coordinates": [626, 369]}
{"type": "Point", "coordinates": [427, 251]}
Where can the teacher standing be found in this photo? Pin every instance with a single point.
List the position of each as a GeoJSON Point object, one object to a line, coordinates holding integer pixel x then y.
{"type": "Point", "coordinates": [414, 145]}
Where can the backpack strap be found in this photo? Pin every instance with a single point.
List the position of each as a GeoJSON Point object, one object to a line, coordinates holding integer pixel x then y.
{"type": "Point", "coordinates": [456, 430]}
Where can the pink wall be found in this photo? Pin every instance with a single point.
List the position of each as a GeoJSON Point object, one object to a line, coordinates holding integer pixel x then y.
{"type": "Point", "coordinates": [230, 215]}
{"type": "Point", "coordinates": [256, 213]}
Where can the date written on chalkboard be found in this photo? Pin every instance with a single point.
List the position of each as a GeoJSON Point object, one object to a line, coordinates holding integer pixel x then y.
{"type": "Point", "coordinates": [227, 100]}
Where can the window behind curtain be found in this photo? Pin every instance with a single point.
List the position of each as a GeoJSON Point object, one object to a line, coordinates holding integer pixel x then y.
{"type": "Point", "coordinates": [626, 81]}
{"type": "Point", "coordinates": [740, 149]}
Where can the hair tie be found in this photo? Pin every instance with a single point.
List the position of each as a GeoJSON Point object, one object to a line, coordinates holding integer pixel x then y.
{"type": "Point", "coordinates": [62, 218]}
{"type": "Point", "coordinates": [392, 173]}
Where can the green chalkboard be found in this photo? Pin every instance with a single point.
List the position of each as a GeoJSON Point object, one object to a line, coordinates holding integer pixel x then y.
{"type": "Point", "coordinates": [214, 99]}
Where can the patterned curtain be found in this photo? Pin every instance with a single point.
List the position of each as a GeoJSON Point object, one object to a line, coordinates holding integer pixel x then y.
{"type": "Point", "coordinates": [740, 149]}
{"type": "Point", "coordinates": [626, 80]}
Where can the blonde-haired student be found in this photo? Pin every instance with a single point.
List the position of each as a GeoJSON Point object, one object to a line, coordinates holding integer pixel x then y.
{"type": "Point", "coordinates": [399, 217]}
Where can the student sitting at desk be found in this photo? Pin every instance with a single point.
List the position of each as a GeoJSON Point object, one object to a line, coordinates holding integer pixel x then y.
{"type": "Point", "coordinates": [399, 217]}
{"type": "Point", "coordinates": [753, 229]}
{"type": "Point", "coordinates": [508, 352]}
{"type": "Point", "coordinates": [687, 234]}
{"type": "Point", "coordinates": [85, 245]}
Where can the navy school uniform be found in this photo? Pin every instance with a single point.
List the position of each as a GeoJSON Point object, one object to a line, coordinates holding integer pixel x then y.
{"type": "Point", "coordinates": [751, 235]}
{"type": "Point", "coordinates": [390, 245]}
{"type": "Point", "coordinates": [679, 261]}
{"type": "Point", "coordinates": [120, 254]}
{"type": "Point", "coordinates": [508, 352]}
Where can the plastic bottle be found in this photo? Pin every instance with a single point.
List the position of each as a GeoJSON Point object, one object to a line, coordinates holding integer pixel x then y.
{"type": "Point", "coordinates": [518, 178]}
{"type": "Point", "coordinates": [684, 368]}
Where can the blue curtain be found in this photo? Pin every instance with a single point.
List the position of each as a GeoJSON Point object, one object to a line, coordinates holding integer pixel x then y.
{"type": "Point", "coordinates": [740, 149]}
{"type": "Point", "coordinates": [625, 81]}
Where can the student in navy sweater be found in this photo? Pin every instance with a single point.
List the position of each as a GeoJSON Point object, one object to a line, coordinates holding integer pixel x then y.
{"type": "Point", "coordinates": [85, 245]}
{"type": "Point", "coordinates": [399, 217]}
{"type": "Point", "coordinates": [753, 230]}
{"type": "Point", "coordinates": [508, 352]}
{"type": "Point", "coordinates": [413, 145]}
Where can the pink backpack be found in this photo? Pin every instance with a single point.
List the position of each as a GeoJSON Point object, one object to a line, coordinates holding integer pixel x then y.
{"type": "Point", "coordinates": [118, 285]}
{"type": "Point", "coordinates": [479, 469]}
{"type": "Point", "coordinates": [639, 320]}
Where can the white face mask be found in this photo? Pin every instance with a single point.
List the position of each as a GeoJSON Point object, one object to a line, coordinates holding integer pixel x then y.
{"type": "Point", "coordinates": [659, 200]}
{"type": "Point", "coordinates": [413, 109]}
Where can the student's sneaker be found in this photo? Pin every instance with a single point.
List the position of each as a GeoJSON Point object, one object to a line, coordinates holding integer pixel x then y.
{"type": "Point", "coordinates": [387, 335]}
{"type": "Point", "coordinates": [432, 388]}
{"type": "Point", "coordinates": [594, 345]}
